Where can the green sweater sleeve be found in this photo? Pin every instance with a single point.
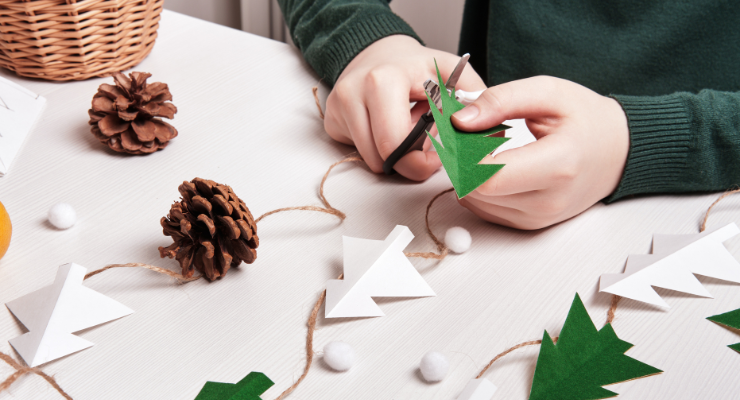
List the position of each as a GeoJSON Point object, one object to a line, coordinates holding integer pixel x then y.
{"type": "Point", "coordinates": [330, 33]}
{"type": "Point", "coordinates": [682, 142]}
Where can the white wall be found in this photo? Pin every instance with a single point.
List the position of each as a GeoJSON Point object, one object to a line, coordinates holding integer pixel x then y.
{"type": "Point", "coordinates": [436, 21]}
{"type": "Point", "coordinates": [224, 12]}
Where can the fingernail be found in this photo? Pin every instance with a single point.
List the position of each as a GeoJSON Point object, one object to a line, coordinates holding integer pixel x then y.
{"type": "Point", "coordinates": [467, 114]}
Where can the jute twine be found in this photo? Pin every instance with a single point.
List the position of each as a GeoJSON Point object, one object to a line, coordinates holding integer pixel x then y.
{"type": "Point", "coordinates": [442, 249]}
{"type": "Point", "coordinates": [22, 369]}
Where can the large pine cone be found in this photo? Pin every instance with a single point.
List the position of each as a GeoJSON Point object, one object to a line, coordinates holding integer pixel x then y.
{"type": "Point", "coordinates": [212, 228]}
{"type": "Point", "coordinates": [123, 116]}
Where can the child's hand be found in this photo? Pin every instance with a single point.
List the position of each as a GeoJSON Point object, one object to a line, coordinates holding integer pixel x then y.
{"type": "Point", "coordinates": [577, 160]}
{"type": "Point", "coordinates": [369, 105]}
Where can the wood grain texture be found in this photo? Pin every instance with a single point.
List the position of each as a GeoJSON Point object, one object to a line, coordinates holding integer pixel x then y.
{"type": "Point", "coordinates": [247, 118]}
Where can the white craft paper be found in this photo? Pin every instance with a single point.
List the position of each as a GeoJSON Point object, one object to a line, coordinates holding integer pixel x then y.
{"type": "Point", "coordinates": [51, 314]}
{"type": "Point", "coordinates": [478, 389]}
{"type": "Point", "coordinates": [19, 110]}
{"type": "Point", "coordinates": [675, 260]}
{"type": "Point", "coordinates": [519, 135]}
{"type": "Point", "coordinates": [374, 268]}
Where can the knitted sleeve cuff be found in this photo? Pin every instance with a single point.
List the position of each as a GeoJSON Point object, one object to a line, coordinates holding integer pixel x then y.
{"type": "Point", "coordinates": [353, 36]}
{"type": "Point", "coordinates": [660, 141]}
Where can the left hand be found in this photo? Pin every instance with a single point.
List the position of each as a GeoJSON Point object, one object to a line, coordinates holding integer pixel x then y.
{"type": "Point", "coordinates": [578, 158]}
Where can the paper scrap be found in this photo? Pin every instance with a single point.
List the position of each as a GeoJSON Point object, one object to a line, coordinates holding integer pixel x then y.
{"type": "Point", "coordinates": [461, 152]}
{"type": "Point", "coordinates": [249, 388]}
{"type": "Point", "coordinates": [52, 313]}
{"type": "Point", "coordinates": [374, 268]}
{"type": "Point", "coordinates": [674, 260]}
{"type": "Point", "coordinates": [19, 110]}
{"type": "Point", "coordinates": [731, 320]}
{"type": "Point", "coordinates": [478, 389]}
{"type": "Point", "coordinates": [583, 360]}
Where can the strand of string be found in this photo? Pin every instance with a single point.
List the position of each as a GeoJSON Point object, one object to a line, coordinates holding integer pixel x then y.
{"type": "Point", "coordinates": [610, 314]}
{"type": "Point", "coordinates": [311, 326]}
{"type": "Point", "coordinates": [706, 216]}
{"type": "Point", "coordinates": [328, 209]}
{"type": "Point", "coordinates": [21, 370]}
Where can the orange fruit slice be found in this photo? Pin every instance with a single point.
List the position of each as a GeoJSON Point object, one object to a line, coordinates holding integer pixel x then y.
{"type": "Point", "coordinates": [6, 229]}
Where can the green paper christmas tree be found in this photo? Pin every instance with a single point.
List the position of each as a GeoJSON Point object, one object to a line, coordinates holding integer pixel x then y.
{"type": "Point", "coordinates": [249, 388]}
{"type": "Point", "coordinates": [583, 360]}
{"type": "Point", "coordinates": [731, 320]}
{"type": "Point", "coordinates": [460, 152]}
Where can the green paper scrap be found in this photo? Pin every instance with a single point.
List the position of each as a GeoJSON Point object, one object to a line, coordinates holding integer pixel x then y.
{"type": "Point", "coordinates": [463, 151]}
{"type": "Point", "coordinates": [249, 388]}
{"type": "Point", "coordinates": [730, 319]}
{"type": "Point", "coordinates": [583, 360]}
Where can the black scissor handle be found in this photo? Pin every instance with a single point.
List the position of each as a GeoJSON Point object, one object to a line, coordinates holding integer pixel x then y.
{"type": "Point", "coordinates": [414, 141]}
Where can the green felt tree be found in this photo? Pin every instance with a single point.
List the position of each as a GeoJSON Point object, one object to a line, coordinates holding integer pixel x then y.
{"type": "Point", "coordinates": [460, 152]}
{"type": "Point", "coordinates": [731, 320]}
{"type": "Point", "coordinates": [583, 360]}
{"type": "Point", "coordinates": [249, 388]}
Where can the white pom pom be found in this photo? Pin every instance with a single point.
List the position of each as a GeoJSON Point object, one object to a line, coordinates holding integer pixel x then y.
{"type": "Point", "coordinates": [339, 356]}
{"type": "Point", "coordinates": [62, 216]}
{"type": "Point", "coordinates": [434, 366]}
{"type": "Point", "coordinates": [458, 239]}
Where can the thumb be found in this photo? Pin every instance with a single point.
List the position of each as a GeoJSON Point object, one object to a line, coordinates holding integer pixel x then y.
{"type": "Point", "coordinates": [526, 98]}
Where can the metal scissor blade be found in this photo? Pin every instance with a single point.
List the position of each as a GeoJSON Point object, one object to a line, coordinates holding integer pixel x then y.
{"type": "Point", "coordinates": [455, 75]}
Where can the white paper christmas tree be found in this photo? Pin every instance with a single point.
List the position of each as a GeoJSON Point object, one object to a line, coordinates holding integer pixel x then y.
{"type": "Point", "coordinates": [51, 314]}
{"type": "Point", "coordinates": [675, 260]}
{"type": "Point", "coordinates": [374, 268]}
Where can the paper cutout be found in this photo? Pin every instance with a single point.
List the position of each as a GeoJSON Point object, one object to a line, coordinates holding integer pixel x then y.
{"type": "Point", "coordinates": [52, 313]}
{"type": "Point", "coordinates": [731, 320]}
{"type": "Point", "coordinates": [19, 110]}
{"type": "Point", "coordinates": [374, 268]}
{"type": "Point", "coordinates": [461, 152]}
{"type": "Point", "coordinates": [249, 388]}
{"type": "Point", "coordinates": [583, 360]}
{"type": "Point", "coordinates": [478, 389]}
{"type": "Point", "coordinates": [674, 260]}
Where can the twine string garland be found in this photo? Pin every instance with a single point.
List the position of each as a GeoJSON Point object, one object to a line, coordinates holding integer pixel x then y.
{"type": "Point", "coordinates": [21, 369]}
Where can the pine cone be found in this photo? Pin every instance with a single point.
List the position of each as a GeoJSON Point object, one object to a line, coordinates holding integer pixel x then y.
{"type": "Point", "coordinates": [123, 116]}
{"type": "Point", "coordinates": [212, 228]}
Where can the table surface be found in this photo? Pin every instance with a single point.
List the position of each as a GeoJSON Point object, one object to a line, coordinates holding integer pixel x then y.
{"type": "Point", "coordinates": [247, 118]}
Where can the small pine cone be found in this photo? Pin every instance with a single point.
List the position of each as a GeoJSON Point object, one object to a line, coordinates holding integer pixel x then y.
{"type": "Point", "coordinates": [212, 230]}
{"type": "Point", "coordinates": [123, 116]}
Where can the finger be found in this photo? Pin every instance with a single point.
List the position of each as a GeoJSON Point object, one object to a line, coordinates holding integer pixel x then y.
{"type": "Point", "coordinates": [390, 116]}
{"type": "Point", "coordinates": [418, 165]}
{"type": "Point", "coordinates": [536, 97]}
{"type": "Point", "coordinates": [535, 166]}
{"type": "Point", "coordinates": [496, 214]}
{"type": "Point", "coordinates": [542, 204]}
{"type": "Point", "coordinates": [359, 127]}
{"type": "Point", "coordinates": [337, 129]}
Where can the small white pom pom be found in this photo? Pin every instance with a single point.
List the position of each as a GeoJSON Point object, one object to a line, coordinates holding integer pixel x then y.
{"type": "Point", "coordinates": [434, 366]}
{"type": "Point", "coordinates": [339, 356]}
{"type": "Point", "coordinates": [458, 239]}
{"type": "Point", "coordinates": [62, 216]}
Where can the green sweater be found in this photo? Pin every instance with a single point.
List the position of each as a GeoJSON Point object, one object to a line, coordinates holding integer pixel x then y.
{"type": "Point", "coordinates": [674, 66]}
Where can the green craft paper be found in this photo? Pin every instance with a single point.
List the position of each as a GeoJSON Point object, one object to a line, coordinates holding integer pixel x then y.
{"type": "Point", "coordinates": [249, 388]}
{"type": "Point", "coordinates": [583, 360]}
{"type": "Point", "coordinates": [460, 152]}
{"type": "Point", "coordinates": [729, 319]}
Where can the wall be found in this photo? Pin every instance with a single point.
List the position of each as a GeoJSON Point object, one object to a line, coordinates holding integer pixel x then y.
{"type": "Point", "coordinates": [436, 21]}
{"type": "Point", "coordinates": [224, 12]}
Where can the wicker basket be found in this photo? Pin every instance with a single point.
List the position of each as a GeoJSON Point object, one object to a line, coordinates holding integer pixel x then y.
{"type": "Point", "coordinates": [66, 40]}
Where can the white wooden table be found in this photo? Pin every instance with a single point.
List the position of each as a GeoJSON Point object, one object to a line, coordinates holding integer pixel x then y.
{"type": "Point", "coordinates": [247, 118]}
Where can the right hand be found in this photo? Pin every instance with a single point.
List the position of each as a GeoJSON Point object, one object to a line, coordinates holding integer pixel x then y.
{"type": "Point", "coordinates": [369, 105]}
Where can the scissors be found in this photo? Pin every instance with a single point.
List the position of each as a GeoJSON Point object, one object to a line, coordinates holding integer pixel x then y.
{"type": "Point", "coordinates": [415, 139]}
